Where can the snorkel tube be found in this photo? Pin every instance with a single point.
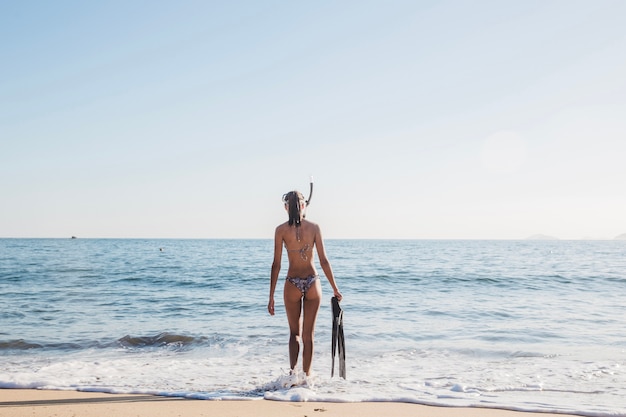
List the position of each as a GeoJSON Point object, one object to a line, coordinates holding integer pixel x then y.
{"type": "Point", "coordinates": [308, 200]}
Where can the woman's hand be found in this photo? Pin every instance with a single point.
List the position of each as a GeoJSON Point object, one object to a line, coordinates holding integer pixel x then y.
{"type": "Point", "coordinates": [270, 306]}
{"type": "Point", "coordinates": [338, 295]}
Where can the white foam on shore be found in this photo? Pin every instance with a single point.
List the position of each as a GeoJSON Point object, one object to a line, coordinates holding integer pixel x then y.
{"type": "Point", "coordinates": [393, 376]}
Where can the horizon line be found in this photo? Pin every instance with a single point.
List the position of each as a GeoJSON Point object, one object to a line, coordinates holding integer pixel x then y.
{"type": "Point", "coordinates": [529, 238]}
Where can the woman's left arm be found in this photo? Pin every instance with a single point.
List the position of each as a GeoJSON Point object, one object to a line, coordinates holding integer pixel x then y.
{"type": "Point", "coordinates": [325, 263]}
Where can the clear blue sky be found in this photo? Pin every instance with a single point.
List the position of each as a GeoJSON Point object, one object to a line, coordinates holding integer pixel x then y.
{"type": "Point", "coordinates": [418, 119]}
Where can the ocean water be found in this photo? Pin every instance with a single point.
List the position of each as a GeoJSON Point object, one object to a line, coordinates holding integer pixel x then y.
{"type": "Point", "coordinates": [522, 325]}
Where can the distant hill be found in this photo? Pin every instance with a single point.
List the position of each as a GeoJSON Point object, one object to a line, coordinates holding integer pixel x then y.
{"type": "Point", "coordinates": [621, 237]}
{"type": "Point", "coordinates": [541, 237]}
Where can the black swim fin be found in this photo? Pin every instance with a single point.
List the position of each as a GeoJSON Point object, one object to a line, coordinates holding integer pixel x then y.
{"type": "Point", "coordinates": [338, 342]}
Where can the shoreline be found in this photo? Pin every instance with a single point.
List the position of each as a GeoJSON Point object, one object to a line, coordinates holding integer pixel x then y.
{"type": "Point", "coordinates": [45, 403]}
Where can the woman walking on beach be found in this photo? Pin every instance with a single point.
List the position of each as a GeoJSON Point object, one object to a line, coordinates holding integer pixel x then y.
{"type": "Point", "coordinates": [303, 290]}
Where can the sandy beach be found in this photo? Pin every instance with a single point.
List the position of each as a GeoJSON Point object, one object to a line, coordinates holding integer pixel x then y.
{"type": "Point", "coordinates": [42, 403]}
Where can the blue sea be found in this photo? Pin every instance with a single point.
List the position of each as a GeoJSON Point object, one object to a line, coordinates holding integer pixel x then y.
{"type": "Point", "coordinates": [520, 325]}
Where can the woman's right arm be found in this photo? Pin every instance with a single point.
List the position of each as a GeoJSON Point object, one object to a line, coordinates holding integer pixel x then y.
{"type": "Point", "coordinates": [278, 253]}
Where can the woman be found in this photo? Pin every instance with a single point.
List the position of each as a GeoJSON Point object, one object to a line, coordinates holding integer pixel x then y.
{"type": "Point", "coordinates": [303, 291]}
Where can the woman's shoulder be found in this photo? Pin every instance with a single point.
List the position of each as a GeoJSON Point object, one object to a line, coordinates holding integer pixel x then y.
{"type": "Point", "coordinates": [310, 223]}
{"type": "Point", "coordinates": [312, 226]}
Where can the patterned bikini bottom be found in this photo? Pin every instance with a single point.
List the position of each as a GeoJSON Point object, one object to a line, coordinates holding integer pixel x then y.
{"type": "Point", "coordinates": [303, 284]}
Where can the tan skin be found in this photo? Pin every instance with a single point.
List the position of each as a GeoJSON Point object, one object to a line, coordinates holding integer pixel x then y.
{"type": "Point", "coordinates": [301, 310]}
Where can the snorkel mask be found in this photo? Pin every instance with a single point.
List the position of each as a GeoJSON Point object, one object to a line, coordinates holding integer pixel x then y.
{"type": "Point", "coordinates": [308, 200]}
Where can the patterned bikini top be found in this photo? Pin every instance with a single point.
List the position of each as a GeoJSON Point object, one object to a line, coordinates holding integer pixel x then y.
{"type": "Point", "coordinates": [303, 251]}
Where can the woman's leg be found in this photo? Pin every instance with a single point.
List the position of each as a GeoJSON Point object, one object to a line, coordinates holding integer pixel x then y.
{"type": "Point", "coordinates": [312, 302]}
{"type": "Point", "coordinates": [293, 307]}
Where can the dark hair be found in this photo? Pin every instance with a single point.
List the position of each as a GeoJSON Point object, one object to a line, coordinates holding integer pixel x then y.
{"type": "Point", "coordinates": [293, 200]}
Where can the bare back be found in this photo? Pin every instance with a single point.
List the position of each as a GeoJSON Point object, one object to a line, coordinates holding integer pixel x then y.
{"type": "Point", "coordinates": [299, 252]}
